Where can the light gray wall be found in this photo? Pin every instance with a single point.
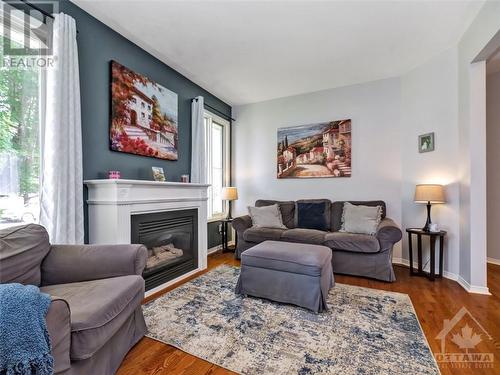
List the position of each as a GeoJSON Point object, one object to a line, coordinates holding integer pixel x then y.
{"type": "Point", "coordinates": [493, 163]}
{"type": "Point", "coordinates": [376, 130]}
{"type": "Point", "coordinates": [430, 104]}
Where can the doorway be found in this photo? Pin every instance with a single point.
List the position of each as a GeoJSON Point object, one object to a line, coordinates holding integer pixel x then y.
{"type": "Point", "coordinates": [493, 161]}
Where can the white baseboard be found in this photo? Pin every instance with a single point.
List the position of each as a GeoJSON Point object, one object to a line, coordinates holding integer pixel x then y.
{"type": "Point", "coordinates": [473, 288]}
{"type": "Point", "coordinates": [493, 261]}
{"type": "Point", "coordinates": [406, 262]}
{"type": "Point", "coordinates": [449, 275]}
{"type": "Point", "coordinates": [218, 248]}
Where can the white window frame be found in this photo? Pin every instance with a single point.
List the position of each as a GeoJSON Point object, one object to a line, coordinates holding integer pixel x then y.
{"type": "Point", "coordinates": [209, 118]}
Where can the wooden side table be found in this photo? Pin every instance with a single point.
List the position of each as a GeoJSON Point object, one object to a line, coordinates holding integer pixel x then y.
{"type": "Point", "coordinates": [432, 238]}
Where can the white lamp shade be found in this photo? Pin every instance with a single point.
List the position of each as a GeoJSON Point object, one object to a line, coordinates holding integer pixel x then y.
{"type": "Point", "coordinates": [229, 193]}
{"type": "Point", "coordinates": [429, 193]}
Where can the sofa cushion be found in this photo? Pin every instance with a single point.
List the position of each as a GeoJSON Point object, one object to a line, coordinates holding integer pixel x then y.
{"type": "Point", "coordinates": [262, 234]}
{"type": "Point", "coordinates": [289, 257]}
{"type": "Point", "coordinates": [22, 249]}
{"type": "Point", "coordinates": [326, 215]}
{"type": "Point", "coordinates": [266, 217]}
{"type": "Point", "coordinates": [338, 208]}
{"type": "Point", "coordinates": [98, 309]}
{"type": "Point", "coordinates": [312, 215]}
{"type": "Point", "coordinates": [287, 209]}
{"type": "Point", "coordinates": [301, 235]}
{"type": "Point", "coordinates": [361, 219]}
{"type": "Point", "coordinates": [359, 243]}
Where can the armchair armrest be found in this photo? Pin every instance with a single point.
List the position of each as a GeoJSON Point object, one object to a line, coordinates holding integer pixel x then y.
{"type": "Point", "coordinates": [58, 321]}
{"type": "Point", "coordinates": [242, 223]}
{"type": "Point", "coordinates": [388, 233]}
{"type": "Point", "coordinates": [74, 263]}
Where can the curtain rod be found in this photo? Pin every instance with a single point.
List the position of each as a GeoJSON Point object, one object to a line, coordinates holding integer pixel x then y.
{"type": "Point", "coordinates": [46, 14]}
{"type": "Point", "coordinates": [222, 114]}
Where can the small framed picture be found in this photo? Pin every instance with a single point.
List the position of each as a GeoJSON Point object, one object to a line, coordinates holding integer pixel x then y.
{"type": "Point", "coordinates": [426, 142]}
{"type": "Point", "coordinates": [158, 174]}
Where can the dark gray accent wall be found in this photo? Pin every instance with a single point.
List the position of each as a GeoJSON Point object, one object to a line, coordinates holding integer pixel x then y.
{"type": "Point", "coordinates": [97, 46]}
{"type": "Point", "coordinates": [214, 237]}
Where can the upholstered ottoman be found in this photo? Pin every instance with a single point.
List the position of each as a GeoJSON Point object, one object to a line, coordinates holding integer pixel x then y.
{"type": "Point", "coordinates": [299, 274]}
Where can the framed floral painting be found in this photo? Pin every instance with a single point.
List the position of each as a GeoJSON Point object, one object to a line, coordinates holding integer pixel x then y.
{"type": "Point", "coordinates": [143, 115]}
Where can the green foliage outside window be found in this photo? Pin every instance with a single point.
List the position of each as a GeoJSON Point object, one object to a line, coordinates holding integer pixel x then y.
{"type": "Point", "coordinates": [19, 122]}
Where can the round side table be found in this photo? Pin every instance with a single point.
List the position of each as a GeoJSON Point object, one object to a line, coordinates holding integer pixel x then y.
{"type": "Point", "coordinates": [432, 238]}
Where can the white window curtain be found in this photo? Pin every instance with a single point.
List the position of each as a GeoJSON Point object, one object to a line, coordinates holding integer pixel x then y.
{"type": "Point", "coordinates": [198, 139]}
{"type": "Point", "coordinates": [61, 208]}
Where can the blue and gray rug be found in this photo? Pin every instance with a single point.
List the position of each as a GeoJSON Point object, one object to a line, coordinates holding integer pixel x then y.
{"type": "Point", "coordinates": [366, 331]}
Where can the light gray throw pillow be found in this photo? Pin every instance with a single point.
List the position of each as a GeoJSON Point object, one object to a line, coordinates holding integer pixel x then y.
{"type": "Point", "coordinates": [360, 219]}
{"type": "Point", "coordinates": [266, 217]}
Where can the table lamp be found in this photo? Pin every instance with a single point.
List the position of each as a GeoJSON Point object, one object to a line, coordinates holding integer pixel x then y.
{"type": "Point", "coordinates": [229, 194]}
{"type": "Point", "coordinates": [429, 194]}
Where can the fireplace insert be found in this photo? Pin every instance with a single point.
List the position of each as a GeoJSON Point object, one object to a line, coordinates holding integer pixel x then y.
{"type": "Point", "coordinates": [172, 241]}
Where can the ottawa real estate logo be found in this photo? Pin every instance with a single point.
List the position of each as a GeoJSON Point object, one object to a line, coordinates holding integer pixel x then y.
{"type": "Point", "coordinates": [461, 339]}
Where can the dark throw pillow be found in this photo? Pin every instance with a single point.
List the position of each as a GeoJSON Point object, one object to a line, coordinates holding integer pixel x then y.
{"type": "Point", "coordinates": [311, 216]}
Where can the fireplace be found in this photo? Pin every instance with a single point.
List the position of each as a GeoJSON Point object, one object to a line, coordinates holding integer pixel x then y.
{"type": "Point", "coordinates": [113, 204]}
{"type": "Point", "coordinates": [172, 241]}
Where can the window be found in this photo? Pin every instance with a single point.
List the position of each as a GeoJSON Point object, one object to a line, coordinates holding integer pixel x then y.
{"type": "Point", "coordinates": [20, 119]}
{"type": "Point", "coordinates": [218, 157]}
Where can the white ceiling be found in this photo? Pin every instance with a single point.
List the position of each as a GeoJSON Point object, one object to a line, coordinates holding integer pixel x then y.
{"type": "Point", "coordinates": [251, 51]}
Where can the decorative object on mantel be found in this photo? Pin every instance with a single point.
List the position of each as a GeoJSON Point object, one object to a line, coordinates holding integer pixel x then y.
{"type": "Point", "coordinates": [229, 193]}
{"type": "Point", "coordinates": [315, 150]}
{"type": "Point", "coordinates": [257, 336]}
{"type": "Point", "coordinates": [185, 178]}
{"type": "Point", "coordinates": [429, 194]}
{"type": "Point", "coordinates": [143, 115]}
{"type": "Point", "coordinates": [114, 175]}
{"type": "Point", "coordinates": [426, 142]}
{"type": "Point", "coordinates": [158, 174]}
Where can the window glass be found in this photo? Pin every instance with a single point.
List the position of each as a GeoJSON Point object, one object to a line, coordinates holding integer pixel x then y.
{"type": "Point", "coordinates": [19, 141]}
{"type": "Point", "coordinates": [217, 144]}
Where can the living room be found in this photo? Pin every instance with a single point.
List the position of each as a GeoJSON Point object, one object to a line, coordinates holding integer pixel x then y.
{"type": "Point", "coordinates": [252, 187]}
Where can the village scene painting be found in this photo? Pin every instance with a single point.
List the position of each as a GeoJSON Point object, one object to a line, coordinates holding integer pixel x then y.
{"type": "Point", "coordinates": [143, 115]}
{"type": "Point", "coordinates": [315, 150]}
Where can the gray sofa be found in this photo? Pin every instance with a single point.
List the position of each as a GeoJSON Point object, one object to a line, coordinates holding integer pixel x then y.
{"type": "Point", "coordinates": [352, 254]}
{"type": "Point", "coordinates": [95, 316]}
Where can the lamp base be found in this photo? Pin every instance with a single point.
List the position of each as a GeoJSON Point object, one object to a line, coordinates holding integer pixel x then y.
{"type": "Point", "coordinates": [427, 226]}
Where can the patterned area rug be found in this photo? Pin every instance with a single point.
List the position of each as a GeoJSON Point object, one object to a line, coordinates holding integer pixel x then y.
{"type": "Point", "coordinates": [366, 331]}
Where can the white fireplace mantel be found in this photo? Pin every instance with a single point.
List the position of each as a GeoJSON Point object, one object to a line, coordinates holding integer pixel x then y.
{"type": "Point", "coordinates": [112, 203]}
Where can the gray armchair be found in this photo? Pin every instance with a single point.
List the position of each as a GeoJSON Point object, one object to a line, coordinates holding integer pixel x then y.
{"type": "Point", "coordinates": [95, 316]}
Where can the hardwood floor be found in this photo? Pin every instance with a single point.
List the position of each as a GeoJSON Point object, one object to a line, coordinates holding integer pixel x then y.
{"type": "Point", "coordinates": [434, 302]}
